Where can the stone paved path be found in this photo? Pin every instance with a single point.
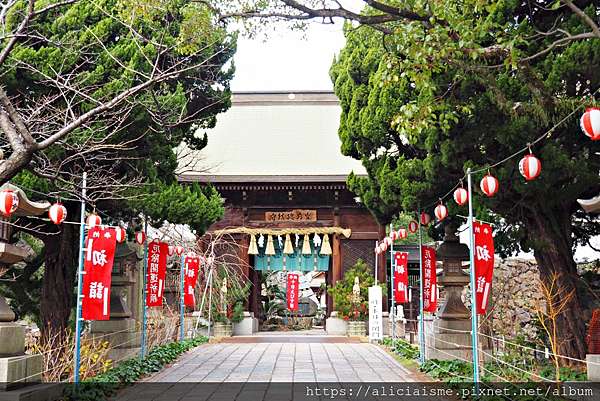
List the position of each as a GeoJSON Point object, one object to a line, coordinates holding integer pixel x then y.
{"type": "Point", "coordinates": [285, 362]}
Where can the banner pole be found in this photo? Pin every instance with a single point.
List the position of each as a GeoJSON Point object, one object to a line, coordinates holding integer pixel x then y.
{"type": "Point", "coordinates": [376, 262]}
{"type": "Point", "coordinates": [181, 300]}
{"type": "Point", "coordinates": [210, 286]}
{"type": "Point", "coordinates": [392, 285]}
{"type": "Point", "coordinates": [203, 299]}
{"type": "Point", "coordinates": [474, 336]}
{"type": "Point", "coordinates": [78, 319]}
{"type": "Point", "coordinates": [144, 291]}
{"type": "Point", "coordinates": [421, 306]}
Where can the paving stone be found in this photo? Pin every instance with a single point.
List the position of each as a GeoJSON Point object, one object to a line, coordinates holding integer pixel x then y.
{"type": "Point", "coordinates": [282, 362]}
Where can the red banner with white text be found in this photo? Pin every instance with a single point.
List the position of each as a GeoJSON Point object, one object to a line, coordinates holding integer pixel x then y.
{"type": "Point", "coordinates": [401, 277]}
{"type": "Point", "coordinates": [484, 264]}
{"type": "Point", "coordinates": [429, 279]}
{"type": "Point", "coordinates": [98, 263]}
{"type": "Point", "coordinates": [293, 283]}
{"type": "Point", "coordinates": [190, 278]}
{"type": "Point", "coordinates": [157, 272]}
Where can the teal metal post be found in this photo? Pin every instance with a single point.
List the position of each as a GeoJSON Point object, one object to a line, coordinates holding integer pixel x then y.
{"type": "Point", "coordinates": [474, 334]}
{"type": "Point", "coordinates": [376, 261]}
{"type": "Point", "coordinates": [79, 320]}
{"type": "Point", "coordinates": [392, 285]}
{"type": "Point", "coordinates": [181, 300]}
{"type": "Point", "coordinates": [144, 307]}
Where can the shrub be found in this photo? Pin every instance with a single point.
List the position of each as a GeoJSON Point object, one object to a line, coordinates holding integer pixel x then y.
{"type": "Point", "coordinates": [127, 372]}
{"type": "Point", "coordinates": [342, 292]}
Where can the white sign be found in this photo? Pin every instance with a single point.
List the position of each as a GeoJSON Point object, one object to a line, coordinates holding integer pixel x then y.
{"type": "Point", "coordinates": [375, 317]}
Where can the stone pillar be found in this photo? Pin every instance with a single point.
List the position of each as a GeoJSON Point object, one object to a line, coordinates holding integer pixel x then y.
{"type": "Point", "coordinates": [593, 367]}
{"type": "Point", "coordinates": [121, 331]}
{"type": "Point", "coordinates": [16, 368]}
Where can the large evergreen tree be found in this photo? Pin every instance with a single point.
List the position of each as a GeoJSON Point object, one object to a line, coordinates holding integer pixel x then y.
{"type": "Point", "coordinates": [130, 155]}
{"type": "Point", "coordinates": [423, 101]}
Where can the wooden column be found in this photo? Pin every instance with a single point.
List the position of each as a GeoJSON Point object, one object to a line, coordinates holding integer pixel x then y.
{"type": "Point", "coordinates": [244, 242]}
{"type": "Point", "coordinates": [336, 251]}
{"type": "Point", "coordinates": [255, 293]}
{"type": "Point", "coordinates": [336, 261]}
{"type": "Point", "coordinates": [328, 298]}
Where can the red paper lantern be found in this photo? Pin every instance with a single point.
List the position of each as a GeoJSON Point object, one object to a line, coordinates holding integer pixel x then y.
{"type": "Point", "coordinates": [489, 185]}
{"type": "Point", "coordinates": [93, 220]}
{"type": "Point", "coordinates": [388, 241]}
{"type": "Point", "coordinates": [57, 213]}
{"type": "Point", "coordinates": [179, 250]}
{"type": "Point", "coordinates": [9, 202]}
{"type": "Point", "coordinates": [461, 196]}
{"type": "Point", "coordinates": [530, 167]}
{"type": "Point", "coordinates": [394, 235]}
{"type": "Point", "coordinates": [590, 123]}
{"type": "Point", "coordinates": [440, 212]}
{"type": "Point", "coordinates": [121, 234]}
{"type": "Point", "coordinates": [402, 234]}
{"type": "Point", "coordinates": [425, 219]}
{"type": "Point", "coordinates": [377, 251]}
{"type": "Point", "coordinates": [171, 250]}
{"type": "Point", "coordinates": [140, 237]}
{"type": "Point", "coordinates": [383, 246]}
{"type": "Point", "coordinates": [413, 226]}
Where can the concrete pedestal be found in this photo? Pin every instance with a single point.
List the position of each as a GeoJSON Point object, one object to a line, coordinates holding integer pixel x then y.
{"type": "Point", "coordinates": [16, 368]}
{"type": "Point", "coordinates": [12, 339]}
{"type": "Point", "coordinates": [122, 334]}
{"type": "Point", "coordinates": [593, 367]}
{"type": "Point", "coordinates": [254, 324]}
{"type": "Point", "coordinates": [336, 326]}
{"type": "Point", "coordinates": [451, 339]}
{"type": "Point", "coordinates": [245, 327]}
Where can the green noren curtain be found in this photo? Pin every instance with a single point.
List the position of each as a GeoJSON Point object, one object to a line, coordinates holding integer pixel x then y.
{"type": "Point", "coordinates": [293, 262]}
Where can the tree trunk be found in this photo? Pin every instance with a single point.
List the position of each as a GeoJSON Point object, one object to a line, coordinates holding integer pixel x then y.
{"type": "Point", "coordinates": [59, 279]}
{"type": "Point", "coordinates": [551, 230]}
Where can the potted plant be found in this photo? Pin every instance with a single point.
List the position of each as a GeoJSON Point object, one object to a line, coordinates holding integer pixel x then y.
{"type": "Point", "coordinates": [351, 299]}
{"type": "Point", "coordinates": [229, 309]}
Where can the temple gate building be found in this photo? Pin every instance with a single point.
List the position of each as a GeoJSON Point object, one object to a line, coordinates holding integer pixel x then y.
{"type": "Point", "coordinates": [275, 158]}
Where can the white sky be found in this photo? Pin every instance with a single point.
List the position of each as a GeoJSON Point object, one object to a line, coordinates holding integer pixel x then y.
{"type": "Point", "coordinates": [288, 60]}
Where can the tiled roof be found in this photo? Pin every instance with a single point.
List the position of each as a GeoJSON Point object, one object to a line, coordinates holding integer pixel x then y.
{"type": "Point", "coordinates": [273, 136]}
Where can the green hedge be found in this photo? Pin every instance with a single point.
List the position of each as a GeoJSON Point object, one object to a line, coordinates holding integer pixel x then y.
{"type": "Point", "coordinates": [129, 371]}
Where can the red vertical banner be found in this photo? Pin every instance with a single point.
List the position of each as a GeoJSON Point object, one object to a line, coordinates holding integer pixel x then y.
{"type": "Point", "coordinates": [293, 282]}
{"type": "Point", "coordinates": [484, 264]}
{"type": "Point", "coordinates": [401, 277]}
{"type": "Point", "coordinates": [98, 263]}
{"type": "Point", "coordinates": [429, 279]}
{"type": "Point", "coordinates": [190, 278]}
{"type": "Point", "coordinates": [157, 272]}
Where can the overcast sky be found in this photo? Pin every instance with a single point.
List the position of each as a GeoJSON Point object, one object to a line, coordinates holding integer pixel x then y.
{"type": "Point", "coordinates": [288, 60]}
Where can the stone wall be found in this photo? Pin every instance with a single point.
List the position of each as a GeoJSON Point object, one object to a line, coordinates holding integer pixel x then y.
{"type": "Point", "coordinates": [515, 296]}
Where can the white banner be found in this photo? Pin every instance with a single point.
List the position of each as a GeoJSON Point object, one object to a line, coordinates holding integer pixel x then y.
{"type": "Point", "coordinates": [375, 309]}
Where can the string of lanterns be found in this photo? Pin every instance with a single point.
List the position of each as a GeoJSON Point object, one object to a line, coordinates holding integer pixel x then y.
{"type": "Point", "coordinates": [57, 213]}
{"type": "Point", "coordinates": [530, 168]}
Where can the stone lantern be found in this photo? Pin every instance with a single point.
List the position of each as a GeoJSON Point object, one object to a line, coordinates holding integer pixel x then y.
{"type": "Point", "coordinates": [121, 330]}
{"type": "Point", "coordinates": [452, 337]}
{"type": "Point", "coordinates": [16, 368]}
